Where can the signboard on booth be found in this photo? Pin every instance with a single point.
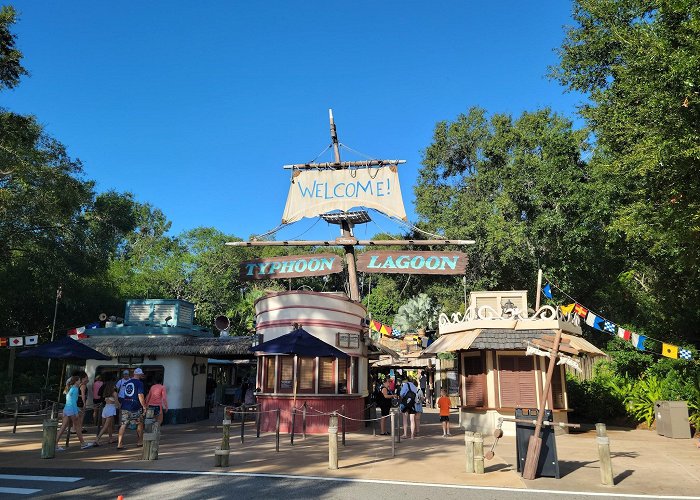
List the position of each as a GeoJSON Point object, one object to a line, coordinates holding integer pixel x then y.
{"type": "Point", "coordinates": [292, 266]}
{"type": "Point", "coordinates": [405, 262]}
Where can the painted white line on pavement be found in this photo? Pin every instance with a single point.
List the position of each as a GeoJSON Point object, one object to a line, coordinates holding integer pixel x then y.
{"type": "Point", "coordinates": [58, 479]}
{"type": "Point", "coordinates": [18, 491]}
{"type": "Point", "coordinates": [401, 483]}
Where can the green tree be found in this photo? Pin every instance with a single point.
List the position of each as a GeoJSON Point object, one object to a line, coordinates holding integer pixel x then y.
{"type": "Point", "coordinates": [520, 188]}
{"type": "Point", "coordinates": [637, 62]}
{"type": "Point", "coordinates": [11, 68]}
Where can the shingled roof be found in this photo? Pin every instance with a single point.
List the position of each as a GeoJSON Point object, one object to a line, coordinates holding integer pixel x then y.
{"type": "Point", "coordinates": [506, 338]}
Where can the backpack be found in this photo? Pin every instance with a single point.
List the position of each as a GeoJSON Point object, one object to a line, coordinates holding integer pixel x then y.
{"type": "Point", "coordinates": [409, 398]}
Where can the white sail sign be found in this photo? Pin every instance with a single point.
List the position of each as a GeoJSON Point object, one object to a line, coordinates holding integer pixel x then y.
{"type": "Point", "coordinates": [316, 192]}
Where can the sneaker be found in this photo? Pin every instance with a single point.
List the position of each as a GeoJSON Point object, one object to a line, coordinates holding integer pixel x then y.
{"type": "Point", "coordinates": [60, 448]}
{"type": "Point", "coordinates": [87, 445]}
{"type": "Point", "coordinates": [448, 434]}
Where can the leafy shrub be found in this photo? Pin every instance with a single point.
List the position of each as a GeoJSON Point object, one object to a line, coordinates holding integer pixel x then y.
{"type": "Point", "coordinates": [594, 401]}
{"type": "Point", "coordinates": [645, 393]}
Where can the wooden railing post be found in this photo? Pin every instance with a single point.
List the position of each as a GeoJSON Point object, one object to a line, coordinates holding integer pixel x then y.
{"type": "Point", "coordinates": [333, 442]}
{"type": "Point", "coordinates": [478, 453]}
{"type": "Point", "coordinates": [469, 446]}
{"type": "Point", "coordinates": [606, 471]}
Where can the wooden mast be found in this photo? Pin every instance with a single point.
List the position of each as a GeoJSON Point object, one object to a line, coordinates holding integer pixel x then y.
{"type": "Point", "coordinates": [345, 226]}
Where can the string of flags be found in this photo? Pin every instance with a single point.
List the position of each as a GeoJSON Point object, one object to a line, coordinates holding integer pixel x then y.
{"type": "Point", "coordinates": [383, 329]}
{"type": "Point", "coordinates": [79, 332]}
{"type": "Point", "coordinates": [19, 341]}
{"type": "Point", "coordinates": [598, 322]}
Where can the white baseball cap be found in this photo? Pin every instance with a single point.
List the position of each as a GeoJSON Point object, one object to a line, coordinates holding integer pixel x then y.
{"type": "Point", "coordinates": [138, 371]}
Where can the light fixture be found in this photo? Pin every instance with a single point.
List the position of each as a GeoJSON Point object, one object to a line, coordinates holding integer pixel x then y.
{"type": "Point", "coordinates": [167, 318]}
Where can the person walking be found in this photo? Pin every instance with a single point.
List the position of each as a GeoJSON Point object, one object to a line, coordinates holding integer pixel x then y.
{"type": "Point", "coordinates": [109, 412]}
{"type": "Point", "coordinates": [444, 405]}
{"type": "Point", "coordinates": [71, 414]}
{"type": "Point", "coordinates": [82, 397]}
{"type": "Point", "coordinates": [384, 398]}
{"type": "Point", "coordinates": [420, 395]}
{"type": "Point", "coordinates": [408, 407]}
{"type": "Point", "coordinates": [97, 400]}
{"type": "Point", "coordinates": [157, 399]}
{"type": "Point", "coordinates": [133, 406]}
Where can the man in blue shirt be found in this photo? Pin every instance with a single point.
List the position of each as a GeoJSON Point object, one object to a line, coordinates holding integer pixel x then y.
{"type": "Point", "coordinates": [133, 407]}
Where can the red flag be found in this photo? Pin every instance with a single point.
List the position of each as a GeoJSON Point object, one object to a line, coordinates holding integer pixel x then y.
{"type": "Point", "coordinates": [580, 310]}
{"type": "Point", "coordinates": [3, 342]}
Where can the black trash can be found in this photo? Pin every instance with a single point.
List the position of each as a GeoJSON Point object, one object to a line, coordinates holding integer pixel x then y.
{"type": "Point", "coordinates": [548, 464]}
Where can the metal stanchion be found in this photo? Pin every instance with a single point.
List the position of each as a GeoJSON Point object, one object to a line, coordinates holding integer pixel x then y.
{"type": "Point", "coordinates": [393, 431]}
{"type": "Point", "coordinates": [303, 422]}
{"type": "Point", "coordinates": [242, 423]}
{"type": "Point", "coordinates": [257, 420]}
{"type": "Point", "coordinates": [277, 432]}
{"type": "Point", "coordinates": [342, 425]}
{"type": "Point", "coordinates": [294, 419]}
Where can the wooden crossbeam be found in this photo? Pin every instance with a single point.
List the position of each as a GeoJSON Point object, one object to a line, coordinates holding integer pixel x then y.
{"type": "Point", "coordinates": [345, 242]}
{"type": "Point", "coordinates": [550, 346]}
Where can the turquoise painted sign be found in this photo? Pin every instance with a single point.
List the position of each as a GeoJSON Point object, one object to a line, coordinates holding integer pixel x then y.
{"type": "Point", "coordinates": [399, 262]}
{"type": "Point", "coordinates": [291, 266]}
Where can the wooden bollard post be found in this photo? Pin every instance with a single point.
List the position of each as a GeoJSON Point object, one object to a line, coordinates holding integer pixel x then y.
{"type": "Point", "coordinates": [478, 453]}
{"type": "Point", "coordinates": [606, 471]}
{"type": "Point", "coordinates": [392, 418]}
{"type": "Point", "coordinates": [294, 421]}
{"type": "Point", "coordinates": [221, 454]}
{"type": "Point", "coordinates": [155, 444]}
{"type": "Point", "coordinates": [469, 446]}
{"type": "Point", "coordinates": [277, 432]}
{"type": "Point", "coordinates": [147, 434]}
{"type": "Point", "coordinates": [342, 425]}
{"type": "Point", "coordinates": [242, 424]}
{"type": "Point", "coordinates": [257, 420]}
{"type": "Point", "coordinates": [303, 421]}
{"type": "Point", "coordinates": [333, 442]}
{"type": "Point", "coordinates": [14, 427]}
{"type": "Point", "coordinates": [48, 438]}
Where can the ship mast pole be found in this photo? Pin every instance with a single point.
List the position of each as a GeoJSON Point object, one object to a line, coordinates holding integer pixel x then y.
{"type": "Point", "coordinates": [345, 225]}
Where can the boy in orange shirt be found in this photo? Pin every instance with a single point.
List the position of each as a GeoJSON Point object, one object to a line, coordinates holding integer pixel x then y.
{"type": "Point", "coordinates": [444, 405]}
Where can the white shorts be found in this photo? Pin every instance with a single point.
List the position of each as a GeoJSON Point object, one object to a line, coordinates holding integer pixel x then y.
{"type": "Point", "coordinates": [109, 411]}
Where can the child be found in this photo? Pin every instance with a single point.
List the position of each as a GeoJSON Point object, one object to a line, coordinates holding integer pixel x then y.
{"type": "Point", "coordinates": [109, 412]}
{"type": "Point", "coordinates": [444, 405]}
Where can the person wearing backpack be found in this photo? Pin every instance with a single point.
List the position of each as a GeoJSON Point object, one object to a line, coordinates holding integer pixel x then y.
{"type": "Point", "coordinates": [408, 407]}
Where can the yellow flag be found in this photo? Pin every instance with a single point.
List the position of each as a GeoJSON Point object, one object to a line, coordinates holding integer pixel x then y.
{"type": "Point", "coordinates": [567, 309]}
{"type": "Point", "coordinates": [670, 351]}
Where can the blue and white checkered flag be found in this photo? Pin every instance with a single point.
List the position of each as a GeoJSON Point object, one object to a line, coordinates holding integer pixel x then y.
{"type": "Point", "coordinates": [685, 354]}
{"type": "Point", "coordinates": [609, 327]}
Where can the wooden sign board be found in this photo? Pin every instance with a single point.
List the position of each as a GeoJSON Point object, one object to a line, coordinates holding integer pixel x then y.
{"type": "Point", "coordinates": [291, 266]}
{"type": "Point", "coordinates": [348, 340]}
{"type": "Point", "coordinates": [405, 262]}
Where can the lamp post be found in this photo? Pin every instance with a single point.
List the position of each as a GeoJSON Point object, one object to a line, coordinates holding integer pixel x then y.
{"type": "Point", "coordinates": [59, 294]}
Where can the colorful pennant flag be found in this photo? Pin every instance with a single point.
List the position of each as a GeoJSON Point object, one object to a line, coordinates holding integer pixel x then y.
{"type": "Point", "coordinates": [31, 340]}
{"type": "Point", "coordinates": [16, 341]}
{"type": "Point", "coordinates": [685, 354]}
{"type": "Point", "coordinates": [76, 331]}
{"type": "Point", "coordinates": [670, 351]}
{"type": "Point", "coordinates": [623, 334]}
{"type": "Point", "coordinates": [547, 291]}
{"type": "Point", "coordinates": [591, 319]}
{"type": "Point", "coordinates": [638, 341]}
{"type": "Point", "coordinates": [609, 326]}
{"type": "Point", "coordinates": [567, 309]}
{"type": "Point", "coordinates": [3, 342]}
{"type": "Point", "coordinates": [580, 310]}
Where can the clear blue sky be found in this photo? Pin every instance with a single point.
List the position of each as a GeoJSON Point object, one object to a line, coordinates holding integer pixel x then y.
{"type": "Point", "coordinates": [195, 106]}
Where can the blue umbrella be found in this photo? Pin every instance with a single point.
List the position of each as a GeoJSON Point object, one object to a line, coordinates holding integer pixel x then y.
{"type": "Point", "coordinates": [64, 348]}
{"type": "Point", "coordinates": [301, 343]}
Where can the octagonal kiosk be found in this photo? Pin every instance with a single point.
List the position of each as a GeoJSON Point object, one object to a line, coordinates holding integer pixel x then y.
{"type": "Point", "coordinates": [323, 383]}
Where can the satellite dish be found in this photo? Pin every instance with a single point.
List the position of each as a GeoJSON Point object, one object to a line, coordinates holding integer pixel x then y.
{"type": "Point", "coordinates": [222, 323]}
{"type": "Point", "coordinates": [103, 317]}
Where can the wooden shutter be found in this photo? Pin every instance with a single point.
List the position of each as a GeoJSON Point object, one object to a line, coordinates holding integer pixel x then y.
{"type": "Point", "coordinates": [286, 374]}
{"type": "Point", "coordinates": [517, 382]}
{"type": "Point", "coordinates": [307, 367]}
{"type": "Point", "coordinates": [269, 374]}
{"type": "Point", "coordinates": [474, 381]}
{"type": "Point", "coordinates": [557, 400]}
{"type": "Point", "coordinates": [326, 375]}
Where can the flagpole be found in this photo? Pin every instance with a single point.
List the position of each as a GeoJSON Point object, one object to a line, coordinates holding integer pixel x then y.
{"type": "Point", "coordinates": [59, 293]}
{"type": "Point", "coordinates": [539, 290]}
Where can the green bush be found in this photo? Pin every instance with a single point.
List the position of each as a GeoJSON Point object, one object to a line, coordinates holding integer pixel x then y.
{"type": "Point", "coordinates": [594, 401]}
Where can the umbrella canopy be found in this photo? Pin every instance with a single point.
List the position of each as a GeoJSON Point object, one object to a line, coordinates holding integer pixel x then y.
{"type": "Point", "coordinates": [63, 348]}
{"type": "Point", "coordinates": [301, 343]}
